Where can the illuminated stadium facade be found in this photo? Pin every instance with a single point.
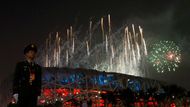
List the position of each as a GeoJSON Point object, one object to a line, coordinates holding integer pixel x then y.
{"type": "Point", "coordinates": [64, 84]}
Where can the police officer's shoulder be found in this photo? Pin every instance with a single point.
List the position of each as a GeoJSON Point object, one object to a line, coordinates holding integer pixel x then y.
{"type": "Point", "coordinates": [38, 66]}
{"type": "Point", "coordinates": [20, 63]}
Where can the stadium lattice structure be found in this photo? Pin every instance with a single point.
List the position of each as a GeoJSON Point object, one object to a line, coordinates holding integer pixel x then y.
{"type": "Point", "coordinates": [64, 84]}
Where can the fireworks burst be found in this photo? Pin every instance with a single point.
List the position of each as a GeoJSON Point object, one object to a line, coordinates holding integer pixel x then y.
{"type": "Point", "coordinates": [165, 56]}
{"type": "Point", "coordinates": [102, 49]}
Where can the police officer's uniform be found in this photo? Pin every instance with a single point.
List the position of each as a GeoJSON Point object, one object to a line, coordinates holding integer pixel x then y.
{"type": "Point", "coordinates": [27, 81]}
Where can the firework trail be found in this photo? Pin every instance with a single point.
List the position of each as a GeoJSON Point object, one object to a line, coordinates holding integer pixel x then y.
{"type": "Point", "coordinates": [87, 48]}
{"type": "Point", "coordinates": [102, 27]}
{"type": "Point", "coordinates": [121, 51]}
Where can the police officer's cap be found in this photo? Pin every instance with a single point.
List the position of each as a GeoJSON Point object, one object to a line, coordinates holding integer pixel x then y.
{"type": "Point", "coordinates": [29, 47]}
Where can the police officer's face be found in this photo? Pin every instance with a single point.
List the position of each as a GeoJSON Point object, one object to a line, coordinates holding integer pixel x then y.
{"type": "Point", "coordinates": [31, 54]}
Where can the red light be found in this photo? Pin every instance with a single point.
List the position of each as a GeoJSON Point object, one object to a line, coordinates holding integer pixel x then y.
{"type": "Point", "coordinates": [172, 105]}
{"type": "Point", "coordinates": [76, 91]}
{"type": "Point", "coordinates": [103, 92]}
{"type": "Point", "coordinates": [150, 103]}
{"type": "Point", "coordinates": [101, 105]}
{"type": "Point", "coordinates": [42, 101]}
{"type": "Point", "coordinates": [101, 101]}
{"type": "Point", "coordinates": [47, 92]}
{"type": "Point", "coordinates": [150, 99]}
{"type": "Point", "coordinates": [156, 103]}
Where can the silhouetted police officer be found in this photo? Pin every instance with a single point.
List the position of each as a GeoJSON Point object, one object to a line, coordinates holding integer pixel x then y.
{"type": "Point", "coordinates": [27, 79]}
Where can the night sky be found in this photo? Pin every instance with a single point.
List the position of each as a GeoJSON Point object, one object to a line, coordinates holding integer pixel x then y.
{"type": "Point", "coordinates": [24, 22]}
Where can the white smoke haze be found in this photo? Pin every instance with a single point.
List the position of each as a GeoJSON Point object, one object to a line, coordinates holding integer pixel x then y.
{"type": "Point", "coordinates": [122, 51]}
